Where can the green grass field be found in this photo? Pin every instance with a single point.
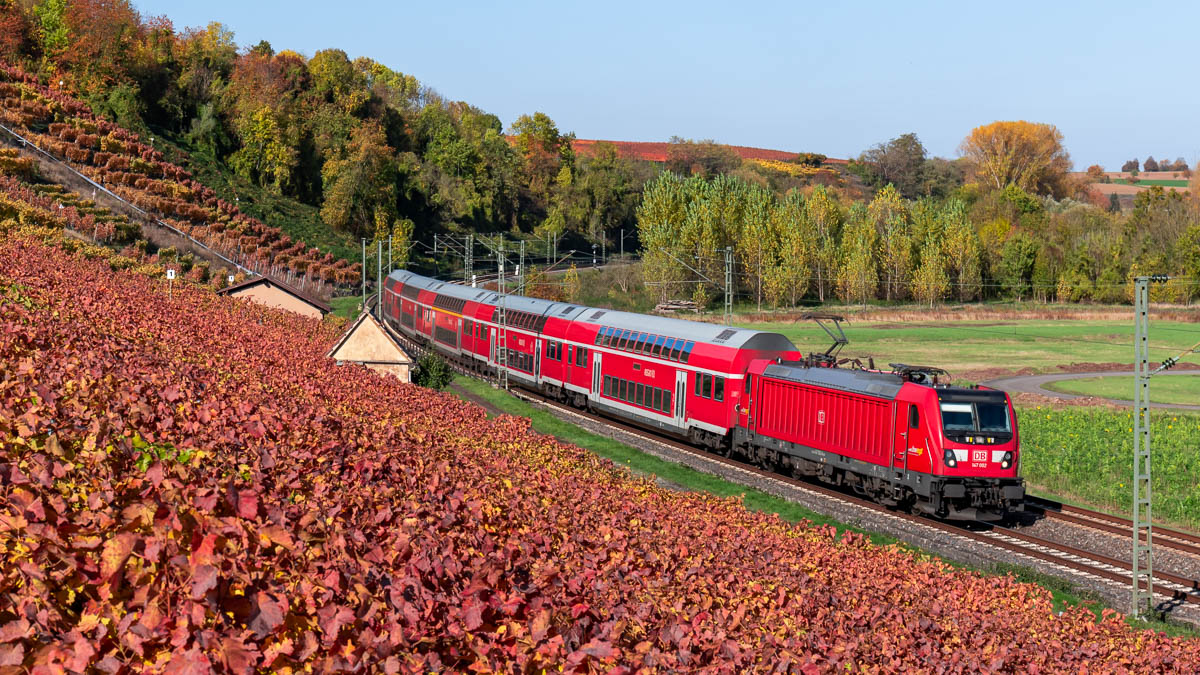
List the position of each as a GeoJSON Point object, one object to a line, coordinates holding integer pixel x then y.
{"type": "Point", "coordinates": [972, 345]}
{"type": "Point", "coordinates": [1183, 389]}
{"type": "Point", "coordinates": [1148, 183]}
{"type": "Point", "coordinates": [346, 306]}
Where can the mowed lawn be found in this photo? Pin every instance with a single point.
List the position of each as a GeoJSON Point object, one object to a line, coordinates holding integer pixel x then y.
{"type": "Point", "coordinates": [974, 345]}
{"type": "Point", "coordinates": [1183, 389]}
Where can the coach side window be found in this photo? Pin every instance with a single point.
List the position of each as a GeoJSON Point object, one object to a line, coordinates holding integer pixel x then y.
{"type": "Point", "coordinates": [719, 391]}
{"type": "Point", "coordinates": [581, 356]}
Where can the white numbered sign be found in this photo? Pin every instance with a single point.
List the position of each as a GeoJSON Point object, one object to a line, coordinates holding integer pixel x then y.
{"type": "Point", "coordinates": [170, 274]}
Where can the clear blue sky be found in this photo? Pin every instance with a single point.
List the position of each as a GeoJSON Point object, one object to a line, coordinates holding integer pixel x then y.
{"type": "Point", "coordinates": [1117, 78]}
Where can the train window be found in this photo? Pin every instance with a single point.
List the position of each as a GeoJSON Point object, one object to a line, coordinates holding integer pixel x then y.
{"type": "Point", "coordinates": [658, 345]}
{"type": "Point", "coordinates": [719, 389]}
{"type": "Point", "coordinates": [670, 345]}
{"type": "Point", "coordinates": [607, 385]}
{"type": "Point", "coordinates": [708, 385]}
{"type": "Point", "coordinates": [640, 343]}
{"type": "Point", "coordinates": [657, 399]}
{"type": "Point", "coordinates": [666, 402]}
{"type": "Point", "coordinates": [622, 389]}
{"type": "Point", "coordinates": [699, 385]}
{"type": "Point", "coordinates": [649, 344]}
{"type": "Point", "coordinates": [676, 349]}
{"type": "Point", "coordinates": [581, 356]}
{"type": "Point", "coordinates": [611, 339]}
{"type": "Point", "coordinates": [914, 417]}
{"type": "Point", "coordinates": [687, 351]}
{"type": "Point", "coordinates": [639, 395]}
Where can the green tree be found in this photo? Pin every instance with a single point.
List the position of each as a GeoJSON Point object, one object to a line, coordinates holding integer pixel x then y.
{"type": "Point", "coordinates": [433, 372]}
{"type": "Point", "coordinates": [266, 156]}
{"type": "Point", "coordinates": [360, 186]}
{"type": "Point", "coordinates": [788, 278]}
{"type": "Point", "coordinates": [823, 215]}
{"type": "Point", "coordinates": [899, 162]}
{"type": "Point", "coordinates": [1016, 264]}
{"type": "Point", "coordinates": [929, 283]}
{"type": "Point", "coordinates": [961, 250]}
{"type": "Point", "coordinates": [52, 25]}
{"type": "Point", "coordinates": [758, 240]}
{"type": "Point", "coordinates": [858, 274]}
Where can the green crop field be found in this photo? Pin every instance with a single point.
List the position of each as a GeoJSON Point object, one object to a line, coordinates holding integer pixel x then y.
{"type": "Point", "coordinates": [1184, 389]}
{"type": "Point", "coordinates": [972, 345]}
{"type": "Point", "coordinates": [1086, 455]}
{"type": "Point", "coordinates": [1151, 182]}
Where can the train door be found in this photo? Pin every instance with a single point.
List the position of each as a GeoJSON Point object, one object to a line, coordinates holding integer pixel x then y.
{"type": "Point", "coordinates": [595, 392]}
{"type": "Point", "coordinates": [537, 360]}
{"type": "Point", "coordinates": [680, 396]}
{"type": "Point", "coordinates": [566, 371]}
{"type": "Point", "coordinates": [910, 441]}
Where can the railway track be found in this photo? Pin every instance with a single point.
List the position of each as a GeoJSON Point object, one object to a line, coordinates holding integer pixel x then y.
{"type": "Point", "coordinates": [1170, 589]}
{"type": "Point", "coordinates": [1178, 540]}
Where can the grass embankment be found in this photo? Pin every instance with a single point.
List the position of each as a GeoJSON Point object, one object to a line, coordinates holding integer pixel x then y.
{"type": "Point", "coordinates": [1065, 594]}
{"type": "Point", "coordinates": [1178, 388]}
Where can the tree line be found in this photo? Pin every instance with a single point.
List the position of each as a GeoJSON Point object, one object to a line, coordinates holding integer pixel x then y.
{"type": "Point", "coordinates": [375, 149]}
{"type": "Point", "coordinates": [976, 243]}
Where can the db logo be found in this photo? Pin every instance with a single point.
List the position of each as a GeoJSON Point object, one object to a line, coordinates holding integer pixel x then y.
{"type": "Point", "coordinates": [979, 455]}
{"type": "Point", "coordinates": [820, 417]}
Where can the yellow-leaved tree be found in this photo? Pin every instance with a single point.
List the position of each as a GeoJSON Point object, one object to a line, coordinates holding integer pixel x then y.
{"type": "Point", "coordinates": [1029, 155]}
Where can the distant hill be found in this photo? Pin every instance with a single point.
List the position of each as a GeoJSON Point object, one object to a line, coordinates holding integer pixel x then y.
{"type": "Point", "coordinates": [657, 152]}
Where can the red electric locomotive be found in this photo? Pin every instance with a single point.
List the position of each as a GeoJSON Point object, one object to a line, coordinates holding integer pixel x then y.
{"type": "Point", "coordinates": [899, 437]}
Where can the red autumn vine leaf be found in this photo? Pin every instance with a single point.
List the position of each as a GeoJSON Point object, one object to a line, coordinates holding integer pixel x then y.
{"type": "Point", "coordinates": [378, 526]}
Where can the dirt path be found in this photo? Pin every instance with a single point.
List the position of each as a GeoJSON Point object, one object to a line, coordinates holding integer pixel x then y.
{"type": "Point", "coordinates": [1033, 384]}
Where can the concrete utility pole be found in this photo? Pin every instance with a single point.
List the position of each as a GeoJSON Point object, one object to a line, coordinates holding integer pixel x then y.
{"type": "Point", "coordinates": [364, 274]}
{"type": "Point", "coordinates": [379, 279]}
{"type": "Point", "coordinates": [389, 255]}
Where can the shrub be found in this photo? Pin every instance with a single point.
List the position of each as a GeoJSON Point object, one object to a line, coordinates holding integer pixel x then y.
{"type": "Point", "coordinates": [433, 372]}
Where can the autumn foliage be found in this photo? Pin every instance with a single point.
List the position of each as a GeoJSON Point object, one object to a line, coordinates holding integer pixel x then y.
{"type": "Point", "coordinates": [136, 172]}
{"type": "Point", "coordinates": [188, 485]}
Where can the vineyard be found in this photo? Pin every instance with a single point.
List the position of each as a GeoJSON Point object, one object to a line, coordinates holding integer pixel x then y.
{"type": "Point", "coordinates": [117, 159]}
{"type": "Point", "coordinates": [211, 491]}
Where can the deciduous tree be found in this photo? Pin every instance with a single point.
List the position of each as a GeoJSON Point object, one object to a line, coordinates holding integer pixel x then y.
{"type": "Point", "coordinates": [360, 186]}
{"type": "Point", "coordinates": [1026, 154]}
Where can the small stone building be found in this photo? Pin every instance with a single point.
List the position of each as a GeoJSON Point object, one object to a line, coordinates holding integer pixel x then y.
{"type": "Point", "coordinates": [272, 293]}
{"type": "Point", "coordinates": [368, 343]}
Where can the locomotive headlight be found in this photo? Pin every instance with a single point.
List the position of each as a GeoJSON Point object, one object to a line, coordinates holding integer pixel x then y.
{"type": "Point", "coordinates": [1006, 461]}
{"type": "Point", "coordinates": [949, 459]}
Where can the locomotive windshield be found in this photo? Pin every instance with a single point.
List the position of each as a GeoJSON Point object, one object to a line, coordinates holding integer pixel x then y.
{"type": "Point", "coordinates": [986, 417]}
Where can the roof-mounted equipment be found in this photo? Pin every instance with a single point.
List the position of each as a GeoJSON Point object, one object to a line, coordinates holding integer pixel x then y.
{"type": "Point", "coordinates": [919, 374]}
{"type": "Point", "coordinates": [829, 358]}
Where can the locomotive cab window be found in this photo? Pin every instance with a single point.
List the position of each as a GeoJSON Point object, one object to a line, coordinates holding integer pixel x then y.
{"type": "Point", "coordinates": [914, 417]}
{"type": "Point", "coordinates": [984, 417]}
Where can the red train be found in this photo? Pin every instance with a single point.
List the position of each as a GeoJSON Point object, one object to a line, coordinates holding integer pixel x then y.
{"type": "Point", "coordinates": [899, 437]}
